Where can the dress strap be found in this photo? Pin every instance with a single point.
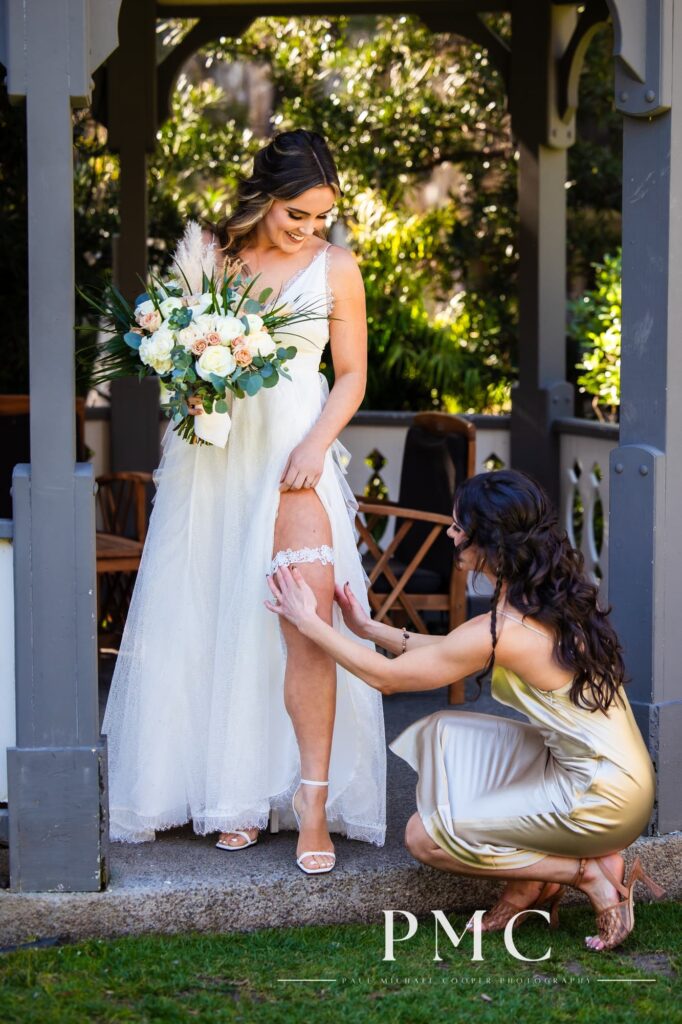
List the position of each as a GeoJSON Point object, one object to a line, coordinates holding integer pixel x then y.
{"type": "Point", "coordinates": [533, 629]}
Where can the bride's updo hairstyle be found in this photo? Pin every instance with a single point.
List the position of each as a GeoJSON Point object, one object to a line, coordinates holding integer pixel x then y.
{"type": "Point", "coordinates": [288, 165]}
{"type": "Point", "coordinates": [508, 517]}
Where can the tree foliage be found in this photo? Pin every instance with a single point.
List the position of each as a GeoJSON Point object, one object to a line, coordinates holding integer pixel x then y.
{"type": "Point", "coordinates": [596, 325]}
{"type": "Point", "coordinates": [419, 127]}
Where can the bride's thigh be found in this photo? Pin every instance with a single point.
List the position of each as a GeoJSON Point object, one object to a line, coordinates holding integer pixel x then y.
{"type": "Point", "coordinates": [302, 522]}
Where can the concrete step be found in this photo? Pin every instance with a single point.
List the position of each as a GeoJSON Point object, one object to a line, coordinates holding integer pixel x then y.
{"type": "Point", "coordinates": [181, 882]}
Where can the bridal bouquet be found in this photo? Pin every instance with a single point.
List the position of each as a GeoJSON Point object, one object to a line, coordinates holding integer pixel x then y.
{"type": "Point", "coordinates": [199, 334]}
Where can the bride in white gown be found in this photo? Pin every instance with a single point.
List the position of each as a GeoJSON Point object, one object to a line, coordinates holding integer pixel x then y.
{"type": "Point", "coordinates": [216, 712]}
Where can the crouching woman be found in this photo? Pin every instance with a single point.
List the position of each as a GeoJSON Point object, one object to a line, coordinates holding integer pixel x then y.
{"type": "Point", "coordinates": [542, 805]}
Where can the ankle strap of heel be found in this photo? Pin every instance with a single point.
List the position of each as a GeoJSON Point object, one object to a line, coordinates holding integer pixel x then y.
{"type": "Point", "coordinates": [579, 873]}
{"type": "Point", "coordinates": [312, 782]}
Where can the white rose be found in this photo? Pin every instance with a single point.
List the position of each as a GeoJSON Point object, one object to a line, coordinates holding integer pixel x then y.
{"type": "Point", "coordinates": [260, 343]}
{"type": "Point", "coordinates": [169, 304]}
{"type": "Point", "coordinates": [229, 328]}
{"type": "Point", "coordinates": [199, 303]}
{"type": "Point", "coordinates": [205, 322]}
{"type": "Point", "coordinates": [155, 351]}
{"type": "Point", "coordinates": [188, 335]}
{"type": "Point", "coordinates": [254, 321]}
{"type": "Point", "coordinates": [144, 307]}
{"type": "Point", "coordinates": [215, 359]}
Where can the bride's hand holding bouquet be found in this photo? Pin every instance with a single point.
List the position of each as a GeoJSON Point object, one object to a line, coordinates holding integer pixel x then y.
{"type": "Point", "coordinates": [200, 334]}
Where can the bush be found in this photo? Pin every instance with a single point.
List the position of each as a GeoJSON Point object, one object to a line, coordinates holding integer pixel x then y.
{"type": "Point", "coordinates": [595, 324]}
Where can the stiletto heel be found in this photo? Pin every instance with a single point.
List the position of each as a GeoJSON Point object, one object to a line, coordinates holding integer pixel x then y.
{"type": "Point", "coordinates": [637, 874]}
{"type": "Point", "coordinates": [311, 853]}
{"type": "Point", "coordinates": [274, 820]}
{"type": "Point", "coordinates": [554, 902]}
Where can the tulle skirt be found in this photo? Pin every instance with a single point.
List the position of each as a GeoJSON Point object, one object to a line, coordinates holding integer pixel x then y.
{"type": "Point", "coordinates": [196, 723]}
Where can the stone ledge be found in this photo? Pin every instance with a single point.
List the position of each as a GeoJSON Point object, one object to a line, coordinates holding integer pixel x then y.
{"type": "Point", "coordinates": [269, 891]}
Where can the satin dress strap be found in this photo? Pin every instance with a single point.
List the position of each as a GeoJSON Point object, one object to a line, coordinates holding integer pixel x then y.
{"type": "Point", "coordinates": [533, 629]}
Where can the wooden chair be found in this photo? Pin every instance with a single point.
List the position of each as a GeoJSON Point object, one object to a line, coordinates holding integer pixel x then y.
{"type": "Point", "coordinates": [122, 513]}
{"type": "Point", "coordinates": [415, 573]}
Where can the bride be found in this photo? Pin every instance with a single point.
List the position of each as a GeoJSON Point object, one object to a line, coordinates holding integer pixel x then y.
{"type": "Point", "coordinates": [217, 713]}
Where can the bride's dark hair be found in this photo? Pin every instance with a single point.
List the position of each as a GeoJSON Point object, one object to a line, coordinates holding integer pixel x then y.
{"type": "Point", "coordinates": [288, 165]}
{"type": "Point", "coordinates": [508, 517]}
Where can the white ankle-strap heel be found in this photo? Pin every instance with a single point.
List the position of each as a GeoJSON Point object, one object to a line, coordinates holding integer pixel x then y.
{"type": "Point", "coordinates": [237, 832]}
{"type": "Point", "coordinates": [311, 853]}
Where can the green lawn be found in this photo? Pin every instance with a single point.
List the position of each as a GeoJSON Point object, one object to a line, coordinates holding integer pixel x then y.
{"type": "Point", "coordinates": [239, 977]}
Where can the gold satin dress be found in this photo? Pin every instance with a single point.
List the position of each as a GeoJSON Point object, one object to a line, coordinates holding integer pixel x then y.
{"type": "Point", "coordinates": [502, 794]}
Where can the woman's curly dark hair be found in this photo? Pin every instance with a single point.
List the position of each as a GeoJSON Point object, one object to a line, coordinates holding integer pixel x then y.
{"type": "Point", "coordinates": [508, 517]}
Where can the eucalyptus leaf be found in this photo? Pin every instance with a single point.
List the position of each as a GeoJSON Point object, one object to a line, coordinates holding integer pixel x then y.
{"type": "Point", "coordinates": [252, 384]}
{"type": "Point", "coordinates": [132, 339]}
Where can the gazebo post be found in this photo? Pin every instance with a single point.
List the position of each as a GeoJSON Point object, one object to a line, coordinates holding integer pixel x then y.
{"type": "Point", "coordinates": [131, 102]}
{"type": "Point", "coordinates": [539, 37]}
{"type": "Point", "coordinates": [57, 770]}
{"type": "Point", "coordinates": [645, 553]}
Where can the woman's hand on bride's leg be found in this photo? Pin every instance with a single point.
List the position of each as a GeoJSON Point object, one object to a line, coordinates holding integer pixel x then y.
{"type": "Point", "coordinates": [354, 615]}
{"type": "Point", "coordinates": [294, 599]}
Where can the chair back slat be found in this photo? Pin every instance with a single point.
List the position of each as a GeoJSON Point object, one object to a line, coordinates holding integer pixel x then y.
{"type": "Point", "coordinates": [436, 458]}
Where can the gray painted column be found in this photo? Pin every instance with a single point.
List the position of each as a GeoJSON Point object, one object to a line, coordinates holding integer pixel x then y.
{"type": "Point", "coordinates": [645, 570]}
{"type": "Point", "coordinates": [540, 36]}
{"type": "Point", "coordinates": [131, 72]}
{"type": "Point", "coordinates": [57, 771]}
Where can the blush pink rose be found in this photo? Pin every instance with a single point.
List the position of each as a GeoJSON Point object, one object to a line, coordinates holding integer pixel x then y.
{"type": "Point", "coordinates": [198, 346]}
{"type": "Point", "coordinates": [150, 321]}
{"type": "Point", "coordinates": [242, 355]}
{"type": "Point", "coordinates": [212, 338]}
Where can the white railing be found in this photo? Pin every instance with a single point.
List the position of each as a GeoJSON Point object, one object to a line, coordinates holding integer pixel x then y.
{"type": "Point", "coordinates": [584, 450]}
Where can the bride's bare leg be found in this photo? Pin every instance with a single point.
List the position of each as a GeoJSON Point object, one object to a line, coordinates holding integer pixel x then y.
{"type": "Point", "coordinates": [524, 884]}
{"type": "Point", "coordinates": [310, 678]}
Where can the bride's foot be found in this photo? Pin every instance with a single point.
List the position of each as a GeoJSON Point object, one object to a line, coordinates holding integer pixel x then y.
{"type": "Point", "coordinates": [309, 804]}
{"type": "Point", "coordinates": [520, 894]}
{"type": "Point", "coordinates": [238, 839]}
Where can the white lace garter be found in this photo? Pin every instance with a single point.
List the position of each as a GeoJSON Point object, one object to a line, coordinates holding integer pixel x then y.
{"type": "Point", "coordinates": [323, 554]}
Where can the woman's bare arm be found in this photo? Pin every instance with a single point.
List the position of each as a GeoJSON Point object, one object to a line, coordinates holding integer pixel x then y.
{"type": "Point", "coordinates": [348, 336]}
{"type": "Point", "coordinates": [348, 340]}
{"type": "Point", "coordinates": [391, 638]}
{"type": "Point", "coordinates": [461, 653]}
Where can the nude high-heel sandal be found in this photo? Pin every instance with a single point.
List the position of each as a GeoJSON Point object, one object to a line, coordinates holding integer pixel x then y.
{"type": "Point", "coordinates": [615, 923]}
{"type": "Point", "coordinates": [311, 853]}
{"type": "Point", "coordinates": [497, 918]}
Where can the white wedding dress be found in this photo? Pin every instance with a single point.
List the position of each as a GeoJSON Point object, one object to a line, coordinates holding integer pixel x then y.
{"type": "Point", "coordinates": [196, 724]}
